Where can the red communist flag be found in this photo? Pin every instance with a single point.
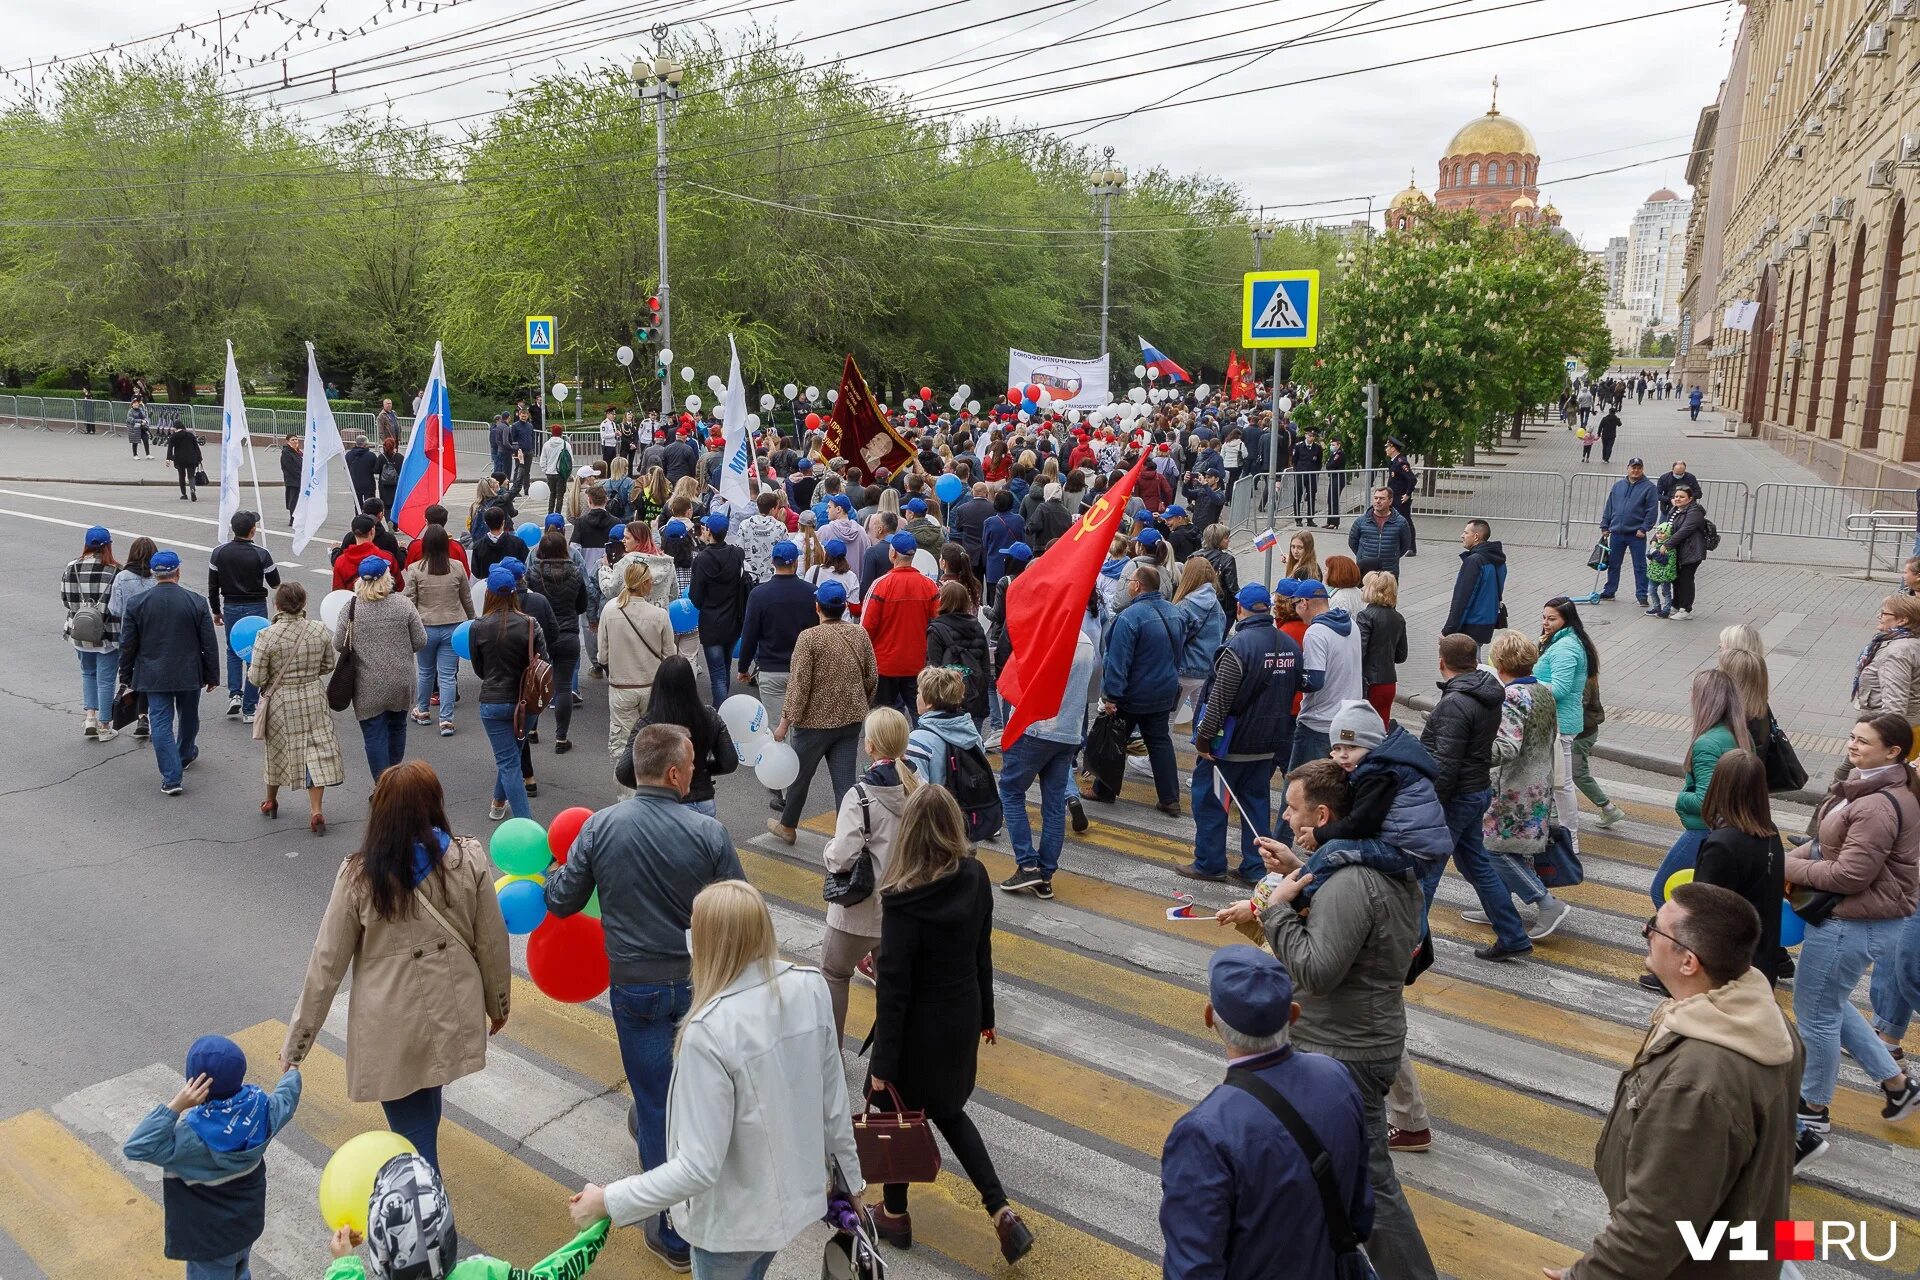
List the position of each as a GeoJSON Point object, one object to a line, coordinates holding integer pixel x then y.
{"type": "Point", "coordinates": [1045, 605]}
{"type": "Point", "coordinates": [860, 433]}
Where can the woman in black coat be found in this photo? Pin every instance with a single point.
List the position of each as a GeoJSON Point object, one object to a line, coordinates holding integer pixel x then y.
{"type": "Point", "coordinates": [955, 639]}
{"type": "Point", "coordinates": [1687, 540]}
{"type": "Point", "coordinates": [1742, 850]}
{"type": "Point", "coordinates": [935, 1000]}
{"type": "Point", "coordinates": [553, 575]}
{"type": "Point", "coordinates": [183, 452]}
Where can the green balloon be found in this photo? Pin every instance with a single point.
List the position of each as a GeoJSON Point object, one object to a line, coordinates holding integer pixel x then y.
{"type": "Point", "coordinates": [519, 847]}
{"type": "Point", "coordinates": [593, 905]}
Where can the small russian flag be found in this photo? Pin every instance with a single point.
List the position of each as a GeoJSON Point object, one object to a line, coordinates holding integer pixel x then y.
{"type": "Point", "coordinates": [1265, 540]}
{"type": "Point", "coordinates": [1152, 358]}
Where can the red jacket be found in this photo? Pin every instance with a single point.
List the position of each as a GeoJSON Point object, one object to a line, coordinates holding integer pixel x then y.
{"type": "Point", "coordinates": [899, 607]}
{"type": "Point", "coordinates": [347, 567]}
{"type": "Point", "coordinates": [417, 548]}
{"type": "Point", "coordinates": [1082, 456]}
{"type": "Point", "coordinates": [1153, 490]}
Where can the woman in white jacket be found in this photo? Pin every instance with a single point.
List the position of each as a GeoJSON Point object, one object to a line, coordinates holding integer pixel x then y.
{"type": "Point", "coordinates": [758, 1104]}
{"type": "Point", "coordinates": [870, 819]}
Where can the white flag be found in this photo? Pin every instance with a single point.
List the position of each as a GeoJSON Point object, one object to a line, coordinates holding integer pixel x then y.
{"type": "Point", "coordinates": [737, 479]}
{"type": "Point", "coordinates": [322, 447]}
{"type": "Point", "coordinates": [1740, 315]}
{"type": "Point", "coordinates": [235, 443]}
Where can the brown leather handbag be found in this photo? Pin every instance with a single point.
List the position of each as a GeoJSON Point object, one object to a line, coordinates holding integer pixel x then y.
{"type": "Point", "coordinates": [536, 686]}
{"type": "Point", "coordinates": [895, 1145]}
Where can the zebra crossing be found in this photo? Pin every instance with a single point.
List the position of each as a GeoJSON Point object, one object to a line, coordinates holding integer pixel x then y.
{"type": "Point", "coordinates": [1099, 999]}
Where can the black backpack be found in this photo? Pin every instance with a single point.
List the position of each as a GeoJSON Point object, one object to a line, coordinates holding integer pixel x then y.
{"type": "Point", "coordinates": [970, 779]}
{"type": "Point", "coordinates": [1712, 536]}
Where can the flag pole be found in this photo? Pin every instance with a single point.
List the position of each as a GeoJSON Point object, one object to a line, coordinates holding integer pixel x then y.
{"type": "Point", "coordinates": [259, 503]}
{"type": "Point", "coordinates": [1238, 808]}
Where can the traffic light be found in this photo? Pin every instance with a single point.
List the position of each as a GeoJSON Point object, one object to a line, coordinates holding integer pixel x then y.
{"type": "Point", "coordinates": [644, 334]}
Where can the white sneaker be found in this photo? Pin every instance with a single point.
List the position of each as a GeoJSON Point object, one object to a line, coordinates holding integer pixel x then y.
{"type": "Point", "coordinates": [105, 733]}
{"type": "Point", "coordinates": [1474, 915]}
{"type": "Point", "coordinates": [497, 812]}
{"type": "Point", "coordinates": [1548, 919]}
{"type": "Point", "coordinates": [90, 729]}
{"type": "Point", "coordinates": [1680, 614]}
{"type": "Point", "coordinates": [1612, 815]}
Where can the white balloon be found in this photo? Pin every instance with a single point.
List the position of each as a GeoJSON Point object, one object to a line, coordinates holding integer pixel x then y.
{"type": "Point", "coordinates": [666, 355]}
{"type": "Point", "coordinates": [1203, 391]}
{"type": "Point", "coordinates": [1152, 375]}
{"type": "Point", "coordinates": [693, 404]}
{"type": "Point", "coordinates": [954, 401]}
{"type": "Point", "coordinates": [1022, 415]}
{"type": "Point", "coordinates": [538, 492]}
{"type": "Point", "coordinates": [1073, 415]}
{"type": "Point", "coordinates": [713, 381]}
{"type": "Point", "coordinates": [973, 406]}
{"type": "Point", "coordinates": [923, 561]}
{"type": "Point", "coordinates": [333, 606]}
{"type": "Point", "coordinates": [744, 716]}
{"type": "Point", "coordinates": [778, 765]}
{"type": "Point", "coordinates": [813, 393]}
{"type": "Point", "coordinates": [624, 355]}
{"type": "Point", "coordinates": [1137, 395]}
{"type": "Point", "coordinates": [753, 422]}
{"type": "Point", "coordinates": [790, 391]}
{"type": "Point", "coordinates": [686, 373]}
{"type": "Point", "coordinates": [833, 397]}
{"type": "Point", "coordinates": [559, 391]}
{"type": "Point", "coordinates": [964, 391]}
{"type": "Point", "coordinates": [1139, 371]}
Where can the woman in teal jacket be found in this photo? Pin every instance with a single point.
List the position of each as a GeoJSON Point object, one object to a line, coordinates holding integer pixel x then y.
{"type": "Point", "coordinates": [1719, 725]}
{"type": "Point", "coordinates": [1567, 658]}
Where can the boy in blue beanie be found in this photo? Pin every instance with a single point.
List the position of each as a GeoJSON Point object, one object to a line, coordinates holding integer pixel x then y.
{"type": "Point", "coordinates": [211, 1142]}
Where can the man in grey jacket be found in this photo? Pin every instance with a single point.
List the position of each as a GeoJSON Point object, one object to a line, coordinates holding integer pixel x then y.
{"type": "Point", "coordinates": [648, 857]}
{"type": "Point", "coordinates": [1349, 957]}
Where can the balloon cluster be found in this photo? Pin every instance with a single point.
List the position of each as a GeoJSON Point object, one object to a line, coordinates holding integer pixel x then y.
{"type": "Point", "coordinates": [775, 764]}
{"type": "Point", "coordinates": [567, 956]}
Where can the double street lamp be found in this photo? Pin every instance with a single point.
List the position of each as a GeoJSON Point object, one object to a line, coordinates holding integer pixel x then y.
{"type": "Point", "coordinates": [1106, 183]}
{"type": "Point", "coordinates": [658, 81]}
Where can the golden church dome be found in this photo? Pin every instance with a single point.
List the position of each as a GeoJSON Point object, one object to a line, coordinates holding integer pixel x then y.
{"type": "Point", "coordinates": [1411, 196]}
{"type": "Point", "coordinates": [1492, 134]}
{"type": "Point", "coordinates": [1521, 202]}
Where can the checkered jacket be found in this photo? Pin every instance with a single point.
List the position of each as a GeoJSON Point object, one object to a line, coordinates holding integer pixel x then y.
{"type": "Point", "coordinates": [84, 581]}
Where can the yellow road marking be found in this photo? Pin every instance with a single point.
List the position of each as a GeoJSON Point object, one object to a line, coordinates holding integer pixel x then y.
{"type": "Point", "coordinates": [75, 1215]}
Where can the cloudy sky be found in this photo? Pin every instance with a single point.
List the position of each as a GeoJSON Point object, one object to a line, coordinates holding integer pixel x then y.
{"type": "Point", "coordinates": [1313, 104]}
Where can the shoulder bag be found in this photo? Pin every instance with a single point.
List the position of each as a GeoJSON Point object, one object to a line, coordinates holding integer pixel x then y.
{"type": "Point", "coordinates": [1816, 906]}
{"type": "Point", "coordinates": [855, 885]}
{"type": "Point", "coordinates": [345, 680]}
{"type": "Point", "coordinates": [536, 686]}
{"type": "Point", "coordinates": [266, 705]}
{"type": "Point", "coordinates": [1557, 865]}
{"type": "Point", "coordinates": [896, 1145]}
{"type": "Point", "coordinates": [1349, 1260]}
{"type": "Point", "coordinates": [1784, 770]}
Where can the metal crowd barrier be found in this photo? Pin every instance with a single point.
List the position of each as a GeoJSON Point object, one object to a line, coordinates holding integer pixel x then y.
{"type": "Point", "coordinates": [1818, 511]}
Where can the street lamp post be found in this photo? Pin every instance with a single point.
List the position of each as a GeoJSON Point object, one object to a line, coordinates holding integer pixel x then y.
{"type": "Point", "coordinates": [1106, 183]}
{"type": "Point", "coordinates": [1263, 230]}
{"type": "Point", "coordinates": [659, 81]}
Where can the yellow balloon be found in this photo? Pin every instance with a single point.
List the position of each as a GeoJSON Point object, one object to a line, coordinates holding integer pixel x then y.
{"type": "Point", "coordinates": [346, 1183]}
{"type": "Point", "coordinates": [504, 881]}
{"type": "Point", "coordinates": [1683, 876]}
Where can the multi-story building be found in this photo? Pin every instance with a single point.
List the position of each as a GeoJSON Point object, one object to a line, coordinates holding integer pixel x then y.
{"type": "Point", "coordinates": [1656, 246]}
{"type": "Point", "coordinates": [1613, 261]}
{"type": "Point", "coordinates": [1814, 153]}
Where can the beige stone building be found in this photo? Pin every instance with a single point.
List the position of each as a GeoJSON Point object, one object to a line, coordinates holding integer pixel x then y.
{"type": "Point", "coordinates": [1803, 172]}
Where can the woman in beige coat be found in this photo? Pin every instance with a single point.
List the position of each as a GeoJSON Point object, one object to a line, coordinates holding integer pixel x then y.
{"type": "Point", "coordinates": [1887, 678]}
{"type": "Point", "coordinates": [413, 914]}
{"type": "Point", "coordinates": [870, 819]}
{"type": "Point", "coordinates": [635, 638]}
{"type": "Point", "coordinates": [383, 631]}
{"type": "Point", "coordinates": [292, 660]}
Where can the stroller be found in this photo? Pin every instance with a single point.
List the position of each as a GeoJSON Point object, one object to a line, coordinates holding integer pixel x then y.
{"type": "Point", "coordinates": [1597, 561]}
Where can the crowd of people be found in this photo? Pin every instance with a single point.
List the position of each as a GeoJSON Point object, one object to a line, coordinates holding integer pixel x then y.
{"type": "Point", "coordinates": [868, 614]}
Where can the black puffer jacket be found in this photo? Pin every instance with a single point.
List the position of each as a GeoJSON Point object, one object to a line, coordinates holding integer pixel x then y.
{"type": "Point", "coordinates": [566, 592]}
{"type": "Point", "coordinates": [1459, 733]}
{"type": "Point", "coordinates": [956, 640]}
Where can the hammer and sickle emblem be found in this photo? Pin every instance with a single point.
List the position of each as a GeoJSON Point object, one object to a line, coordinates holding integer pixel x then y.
{"type": "Point", "coordinates": [1094, 514]}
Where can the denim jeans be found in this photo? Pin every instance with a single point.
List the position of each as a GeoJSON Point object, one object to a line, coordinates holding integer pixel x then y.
{"type": "Point", "coordinates": [1517, 873]}
{"type": "Point", "coordinates": [1464, 815]}
{"type": "Point", "coordinates": [645, 1017]}
{"type": "Point", "coordinates": [98, 672]}
{"type": "Point", "coordinates": [1684, 853]}
{"type": "Point", "coordinates": [708, 807]}
{"type": "Point", "coordinates": [1832, 959]}
{"type": "Point", "coordinates": [439, 667]}
{"type": "Point", "coordinates": [237, 684]}
{"type": "Point", "coordinates": [1396, 1247]}
{"type": "Point", "coordinates": [1051, 762]}
{"type": "Point", "coordinates": [386, 739]}
{"type": "Point", "coordinates": [1251, 782]}
{"type": "Point", "coordinates": [1660, 596]}
{"type": "Point", "coordinates": [175, 719]}
{"type": "Point", "coordinates": [1896, 981]}
{"type": "Point", "coordinates": [1637, 552]}
{"type": "Point", "coordinates": [1308, 745]}
{"type": "Point", "coordinates": [730, 1266]}
{"type": "Point", "coordinates": [839, 747]}
{"type": "Point", "coordinates": [416, 1118]}
{"type": "Point", "coordinates": [509, 784]}
{"type": "Point", "coordinates": [719, 669]}
{"type": "Point", "coordinates": [232, 1267]}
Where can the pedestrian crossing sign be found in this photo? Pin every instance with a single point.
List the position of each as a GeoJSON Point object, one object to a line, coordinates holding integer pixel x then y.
{"type": "Point", "coordinates": [540, 332]}
{"type": "Point", "coordinates": [1280, 309]}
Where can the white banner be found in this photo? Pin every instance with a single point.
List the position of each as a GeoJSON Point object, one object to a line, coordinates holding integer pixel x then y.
{"type": "Point", "coordinates": [1740, 315]}
{"type": "Point", "coordinates": [738, 483]}
{"type": "Point", "coordinates": [322, 447]}
{"type": "Point", "coordinates": [1069, 384]}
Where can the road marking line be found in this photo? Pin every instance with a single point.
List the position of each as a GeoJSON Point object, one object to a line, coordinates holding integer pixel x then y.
{"type": "Point", "coordinates": [137, 511]}
{"type": "Point", "coordinates": [70, 1211]}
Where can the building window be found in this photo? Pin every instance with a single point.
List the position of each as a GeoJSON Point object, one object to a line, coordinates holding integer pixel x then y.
{"type": "Point", "coordinates": [1473, 174]}
{"type": "Point", "coordinates": [1509, 173]}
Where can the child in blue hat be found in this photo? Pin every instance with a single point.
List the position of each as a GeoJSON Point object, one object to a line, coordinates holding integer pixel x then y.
{"type": "Point", "coordinates": [211, 1143]}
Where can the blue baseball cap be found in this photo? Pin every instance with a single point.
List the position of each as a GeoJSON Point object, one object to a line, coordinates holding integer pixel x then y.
{"type": "Point", "coordinates": [374, 566]}
{"type": "Point", "coordinates": [842, 501]}
{"type": "Point", "coordinates": [1252, 596]}
{"type": "Point", "coordinates": [515, 566]}
{"type": "Point", "coordinates": [554, 520]}
{"type": "Point", "coordinates": [830, 593]}
{"type": "Point", "coordinates": [674, 529]}
{"type": "Point", "coordinates": [1309, 589]}
{"type": "Point", "coordinates": [617, 534]}
{"type": "Point", "coordinates": [903, 544]}
{"type": "Point", "coordinates": [785, 552]}
{"type": "Point", "coordinates": [98, 536]}
{"type": "Point", "coordinates": [716, 523]}
{"type": "Point", "coordinates": [165, 562]}
{"type": "Point", "coordinates": [916, 506]}
{"type": "Point", "coordinates": [1287, 588]}
{"type": "Point", "coordinates": [1174, 512]}
{"type": "Point", "coordinates": [1020, 551]}
{"type": "Point", "coordinates": [500, 579]}
{"type": "Point", "coordinates": [835, 546]}
{"type": "Point", "coordinates": [1149, 537]}
{"type": "Point", "coordinates": [1250, 990]}
{"type": "Point", "coordinates": [805, 464]}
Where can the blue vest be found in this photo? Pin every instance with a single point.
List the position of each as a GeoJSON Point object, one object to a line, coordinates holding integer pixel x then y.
{"type": "Point", "coordinates": [1260, 721]}
{"type": "Point", "coordinates": [1415, 824]}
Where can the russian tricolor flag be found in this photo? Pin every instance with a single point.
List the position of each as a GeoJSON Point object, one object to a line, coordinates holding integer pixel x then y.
{"type": "Point", "coordinates": [1151, 357]}
{"type": "Point", "coordinates": [427, 465]}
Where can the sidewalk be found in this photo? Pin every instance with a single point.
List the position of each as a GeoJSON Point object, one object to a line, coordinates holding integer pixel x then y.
{"type": "Point", "coordinates": [1814, 617]}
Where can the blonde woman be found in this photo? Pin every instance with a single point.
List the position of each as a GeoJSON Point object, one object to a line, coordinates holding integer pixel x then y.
{"type": "Point", "coordinates": [650, 498]}
{"type": "Point", "coordinates": [757, 1107]}
{"type": "Point", "coordinates": [292, 660]}
{"type": "Point", "coordinates": [486, 493]}
{"type": "Point", "coordinates": [869, 820]}
{"type": "Point", "coordinates": [935, 1000]}
{"type": "Point", "coordinates": [1197, 599]}
{"type": "Point", "coordinates": [1743, 635]}
{"type": "Point", "coordinates": [1383, 641]}
{"type": "Point", "coordinates": [635, 638]}
{"type": "Point", "coordinates": [688, 487]}
{"type": "Point", "coordinates": [384, 632]}
{"type": "Point", "coordinates": [1301, 561]}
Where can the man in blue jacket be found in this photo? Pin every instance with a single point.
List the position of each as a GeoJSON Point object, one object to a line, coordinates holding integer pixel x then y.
{"type": "Point", "coordinates": [1245, 730]}
{"type": "Point", "coordinates": [1380, 535]}
{"type": "Point", "coordinates": [1142, 678]}
{"type": "Point", "coordinates": [1633, 505]}
{"type": "Point", "coordinates": [168, 652]}
{"type": "Point", "coordinates": [1238, 1199]}
{"type": "Point", "coordinates": [1479, 586]}
{"type": "Point", "coordinates": [778, 610]}
{"type": "Point", "coordinates": [526, 447]}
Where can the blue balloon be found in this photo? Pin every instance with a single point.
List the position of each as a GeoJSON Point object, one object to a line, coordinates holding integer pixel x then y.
{"type": "Point", "coordinates": [683, 616]}
{"type": "Point", "coordinates": [949, 488]}
{"type": "Point", "coordinates": [463, 640]}
{"type": "Point", "coordinates": [240, 636]}
{"type": "Point", "coordinates": [1031, 406]}
{"type": "Point", "coordinates": [524, 905]}
{"type": "Point", "coordinates": [529, 533]}
{"type": "Point", "coordinates": [1793, 930]}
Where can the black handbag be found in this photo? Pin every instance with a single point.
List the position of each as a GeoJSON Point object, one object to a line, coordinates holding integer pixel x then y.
{"type": "Point", "coordinates": [344, 682]}
{"type": "Point", "coordinates": [1784, 770]}
{"type": "Point", "coordinates": [1106, 753]}
{"type": "Point", "coordinates": [853, 886]}
{"type": "Point", "coordinates": [1349, 1260]}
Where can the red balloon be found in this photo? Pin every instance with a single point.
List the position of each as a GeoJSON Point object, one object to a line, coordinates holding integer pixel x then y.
{"type": "Point", "coordinates": [1013, 394]}
{"type": "Point", "coordinates": [564, 829]}
{"type": "Point", "coordinates": [1036, 393]}
{"type": "Point", "coordinates": [813, 422]}
{"type": "Point", "coordinates": [926, 393]}
{"type": "Point", "coordinates": [567, 956]}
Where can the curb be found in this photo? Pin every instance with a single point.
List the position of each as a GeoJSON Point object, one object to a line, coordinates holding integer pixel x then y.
{"type": "Point", "coordinates": [153, 484]}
